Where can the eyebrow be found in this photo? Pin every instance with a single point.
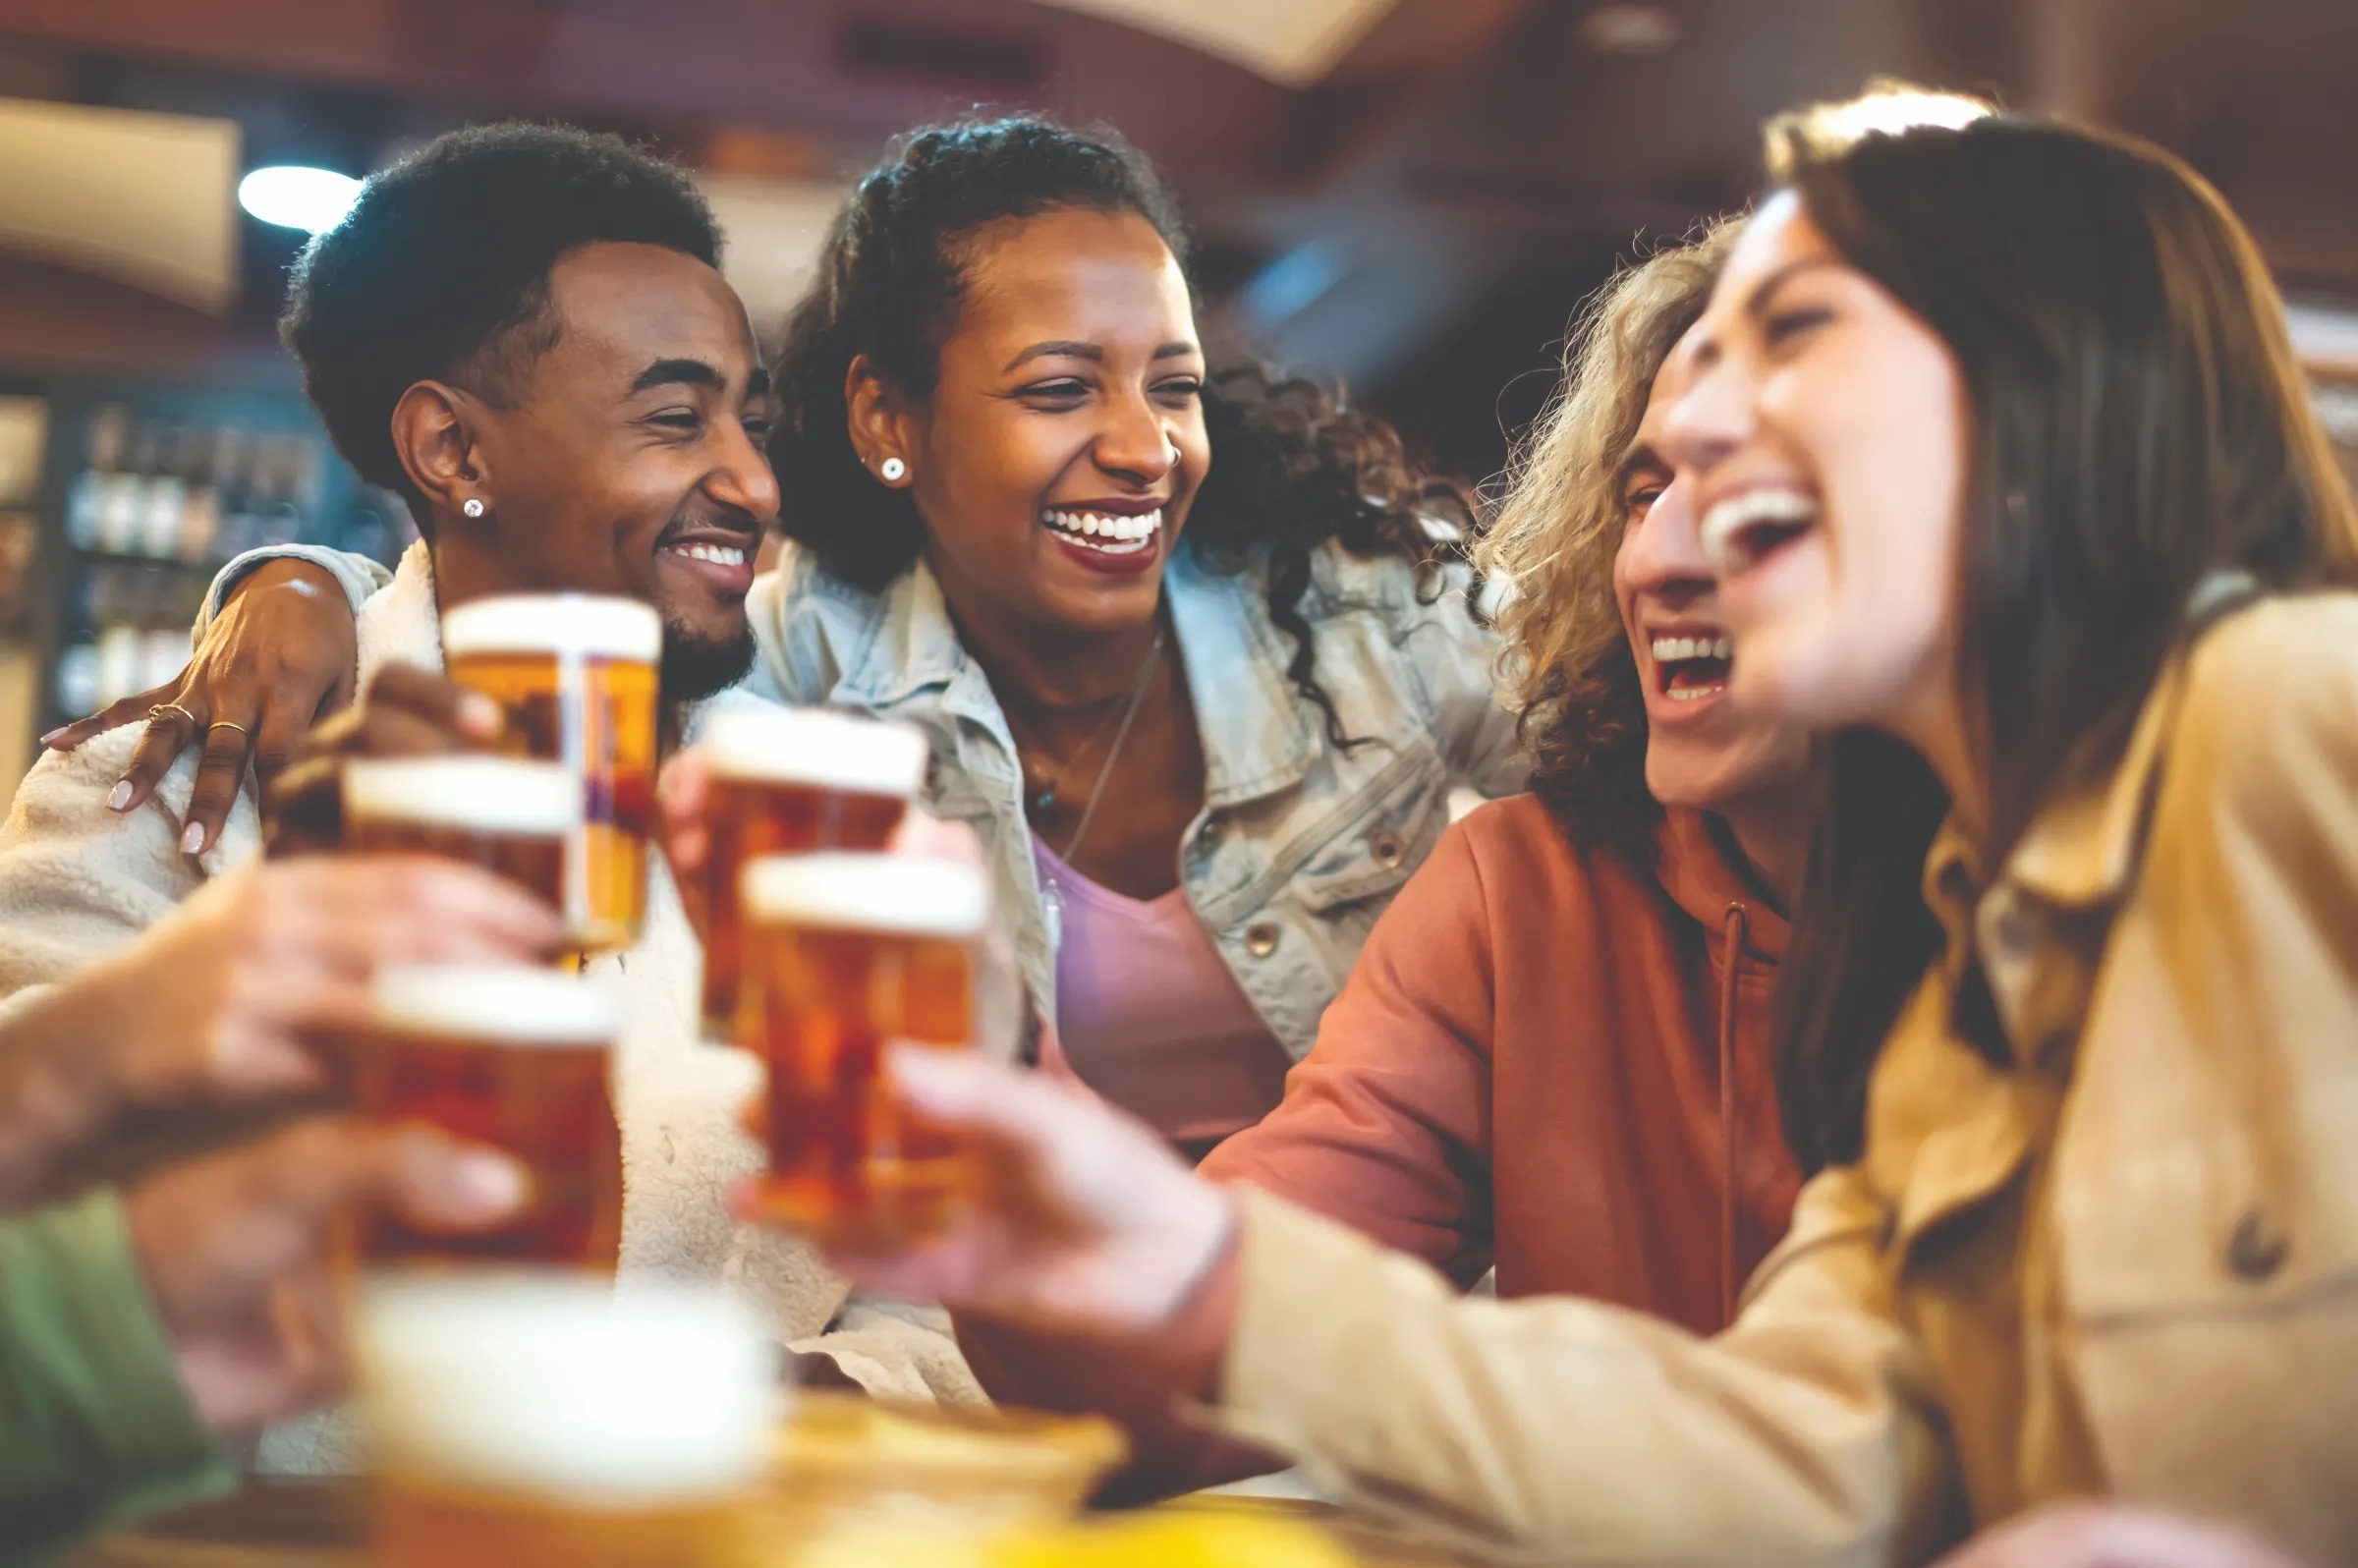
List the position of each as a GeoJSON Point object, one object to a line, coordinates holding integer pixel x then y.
{"type": "Point", "coordinates": [1640, 457]}
{"type": "Point", "coordinates": [1069, 349]}
{"type": "Point", "coordinates": [682, 372]}
{"type": "Point", "coordinates": [1758, 299]}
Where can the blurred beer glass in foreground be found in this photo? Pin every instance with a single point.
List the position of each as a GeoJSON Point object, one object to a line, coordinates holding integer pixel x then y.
{"type": "Point", "coordinates": [576, 674]}
{"type": "Point", "coordinates": [503, 813]}
{"type": "Point", "coordinates": [514, 1057]}
{"type": "Point", "coordinates": [535, 1423]}
{"type": "Point", "coordinates": [844, 953]}
{"type": "Point", "coordinates": [785, 780]}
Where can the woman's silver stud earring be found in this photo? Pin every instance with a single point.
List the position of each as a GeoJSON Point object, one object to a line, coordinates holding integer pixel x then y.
{"type": "Point", "coordinates": [893, 469]}
{"type": "Point", "coordinates": [474, 506]}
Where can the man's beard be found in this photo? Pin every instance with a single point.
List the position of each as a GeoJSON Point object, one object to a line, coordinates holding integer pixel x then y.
{"type": "Point", "coordinates": [695, 666]}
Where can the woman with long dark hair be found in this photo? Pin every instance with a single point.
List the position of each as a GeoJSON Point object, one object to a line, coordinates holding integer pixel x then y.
{"type": "Point", "coordinates": [2013, 486]}
{"type": "Point", "coordinates": [1193, 649]}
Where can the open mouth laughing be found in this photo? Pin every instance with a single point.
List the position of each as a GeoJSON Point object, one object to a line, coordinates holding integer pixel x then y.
{"type": "Point", "coordinates": [722, 557]}
{"type": "Point", "coordinates": [1111, 533]}
{"type": "Point", "coordinates": [1691, 668]}
{"type": "Point", "coordinates": [1116, 538]}
{"type": "Point", "coordinates": [1741, 532]}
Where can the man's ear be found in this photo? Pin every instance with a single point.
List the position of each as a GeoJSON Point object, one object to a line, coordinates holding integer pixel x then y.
{"type": "Point", "coordinates": [883, 428]}
{"type": "Point", "coordinates": [434, 435]}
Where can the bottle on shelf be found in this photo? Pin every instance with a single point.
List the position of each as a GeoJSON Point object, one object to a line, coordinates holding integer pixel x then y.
{"type": "Point", "coordinates": [166, 503]}
{"type": "Point", "coordinates": [89, 493]}
{"type": "Point", "coordinates": [200, 513]}
{"type": "Point", "coordinates": [123, 509]}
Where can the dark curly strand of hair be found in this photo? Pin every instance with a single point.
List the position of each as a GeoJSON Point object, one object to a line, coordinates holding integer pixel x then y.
{"type": "Point", "coordinates": [440, 270]}
{"type": "Point", "coordinates": [1294, 466]}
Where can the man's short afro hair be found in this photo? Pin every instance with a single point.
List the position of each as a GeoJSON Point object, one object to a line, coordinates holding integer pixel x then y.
{"type": "Point", "coordinates": [440, 270]}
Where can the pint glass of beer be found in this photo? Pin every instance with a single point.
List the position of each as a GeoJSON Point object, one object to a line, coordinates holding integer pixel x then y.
{"type": "Point", "coordinates": [550, 1423]}
{"type": "Point", "coordinates": [844, 953]}
{"type": "Point", "coordinates": [786, 780]}
{"type": "Point", "coordinates": [576, 674]}
{"type": "Point", "coordinates": [511, 1056]}
{"type": "Point", "coordinates": [504, 814]}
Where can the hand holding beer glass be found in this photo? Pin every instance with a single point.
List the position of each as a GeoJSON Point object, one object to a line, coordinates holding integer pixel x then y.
{"type": "Point", "coordinates": [576, 674]}
{"type": "Point", "coordinates": [516, 1058]}
{"type": "Point", "coordinates": [845, 953]}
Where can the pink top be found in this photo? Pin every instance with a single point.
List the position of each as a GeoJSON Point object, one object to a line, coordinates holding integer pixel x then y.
{"type": "Point", "coordinates": [1150, 1017]}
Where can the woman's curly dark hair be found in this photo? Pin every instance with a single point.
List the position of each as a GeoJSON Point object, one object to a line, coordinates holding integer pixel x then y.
{"type": "Point", "coordinates": [1294, 465]}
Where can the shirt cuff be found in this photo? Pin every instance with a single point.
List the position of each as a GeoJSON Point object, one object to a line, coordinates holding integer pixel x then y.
{"type": "Point", "coordinates": [358, 575]}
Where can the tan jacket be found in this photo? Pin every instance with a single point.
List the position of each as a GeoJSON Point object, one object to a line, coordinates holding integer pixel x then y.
{"type": "Point", "coordinates": [2125, 1258]}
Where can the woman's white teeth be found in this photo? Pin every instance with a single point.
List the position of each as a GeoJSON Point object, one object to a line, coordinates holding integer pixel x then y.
{"type": "Point", "coordinates": [1674, 649]}
{"type": "Point", "coordinates": [1733, 530]}
{"type": "Point", "coordinates": [1122, 535]}
{"type": "Point", "coordinates": [717, 554]}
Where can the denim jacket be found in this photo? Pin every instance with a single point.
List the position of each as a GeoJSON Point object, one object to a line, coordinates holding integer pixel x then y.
{"type": "Point", "coordinates": [1300, 844]}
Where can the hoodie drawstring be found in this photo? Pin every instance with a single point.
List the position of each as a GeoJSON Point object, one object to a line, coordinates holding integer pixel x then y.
{"type": "Point", "coordinates": [1733, 931]}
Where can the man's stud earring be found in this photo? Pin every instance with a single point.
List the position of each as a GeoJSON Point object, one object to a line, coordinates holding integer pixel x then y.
{"type": "Point", "coordinates": [474, 506]}
{"type": "Point", "coordinates": [893, 469]}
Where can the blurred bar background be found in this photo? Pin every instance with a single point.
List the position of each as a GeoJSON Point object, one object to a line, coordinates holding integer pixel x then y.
{"type": "Point", "coordinates": [1409, 195]}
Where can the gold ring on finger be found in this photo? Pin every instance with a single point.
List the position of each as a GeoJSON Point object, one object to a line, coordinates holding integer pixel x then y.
{"type": "Point", "coordinates": [224, 724]}
{"type": "Point", "coordinates": [155, 714]}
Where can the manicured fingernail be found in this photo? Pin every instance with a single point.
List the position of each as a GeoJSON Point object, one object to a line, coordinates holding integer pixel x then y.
{"type": "Point", "coordinates": [51, 738]}
{"type": "Point", "coordinates": [479, 715]}
{"type": "Point", "coordinates": [191, 842]}
{"type": "Point", "coordinates": [119, 796]}
{"type": "Point", "coordinates": [489, 1184]}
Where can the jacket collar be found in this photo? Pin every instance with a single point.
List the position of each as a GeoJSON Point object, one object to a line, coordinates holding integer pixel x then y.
{"type": "Point", "coordinates": [2082, 848]}
{"type": "Point", "coordinates": [1258, 735]}
{"type": "Point", "coordinates": [1697, 866]}
{"type": "Point", "coordinates": [402, 621]}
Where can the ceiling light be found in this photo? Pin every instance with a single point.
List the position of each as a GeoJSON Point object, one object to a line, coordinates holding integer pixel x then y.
{"type": "Point", "coordinates": [296, 197]}
{"type": "Point", "coordinates": [1629, 27]}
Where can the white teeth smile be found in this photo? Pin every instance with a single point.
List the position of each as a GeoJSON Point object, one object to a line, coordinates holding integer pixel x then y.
{"type": "Point", "coordinates": [717, 554]}
{"type": "Point", "coordinates": [1738, 531]}
{"type": "Point", "coordinates": [1110, 535]}
{"type": "Point", "coordinates": [1677, 650]}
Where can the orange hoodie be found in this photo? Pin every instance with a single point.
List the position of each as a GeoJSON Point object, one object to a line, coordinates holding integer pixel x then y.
{"type": "Point", "coordinates": [1525, 1070]}
{"type": "Point", "coordinates": [1551, 1062]}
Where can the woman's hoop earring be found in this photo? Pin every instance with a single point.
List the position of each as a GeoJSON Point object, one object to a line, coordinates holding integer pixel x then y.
{"type": "Point", "coordinates": [893, 469]}
{"type": "Point", "coordinates": [474, 506]}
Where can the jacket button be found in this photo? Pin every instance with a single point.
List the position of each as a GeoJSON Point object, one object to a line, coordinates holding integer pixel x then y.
{"type": "Point", "coordinates": [2256, 1248]}
{"type": "Point", "coordinates": [1261, 938]}
{"type": "Point", "coordinates": [1387, 849]}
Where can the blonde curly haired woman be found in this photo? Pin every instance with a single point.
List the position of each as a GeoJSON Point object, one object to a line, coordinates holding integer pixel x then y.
{"type": "Point", "coordinates": [1552, 1057]}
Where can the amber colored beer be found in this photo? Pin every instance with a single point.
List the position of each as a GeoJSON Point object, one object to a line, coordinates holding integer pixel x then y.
{"type": "Point", "coordinates": [508, 815]}
{"type": "Point", "coordinates": [785, 780]}
{"type": "Point", "coordinates": [552, 1423]}
{"type": "Point", "coordinates": [576, 674]}
{"type": "Point", "coordinates": [511, 1056]}
{"type": "Point", "coordinates": [843, 954]}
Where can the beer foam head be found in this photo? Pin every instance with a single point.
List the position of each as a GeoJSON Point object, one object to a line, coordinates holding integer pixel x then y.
{"type": "Point", "coordinates": [818, 748]}
{"type": "Point", "coordinates": [588, 625]}
{"type": "Point", "coordinates": [582, 1390]}
{"type": "Point", "coordinates": [901, 895]}
{"type": "Point", "coordinates": [511, 1003]}
{"type": "Point", "coordinates": [507, 795]}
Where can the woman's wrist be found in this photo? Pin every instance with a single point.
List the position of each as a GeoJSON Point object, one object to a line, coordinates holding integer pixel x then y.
{"type": "Point", "coordinates": [1192, 1338]}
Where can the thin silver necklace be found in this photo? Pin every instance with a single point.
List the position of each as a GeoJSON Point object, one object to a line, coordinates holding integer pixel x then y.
{"type": "Point", "coordinates": [1051, 895]}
